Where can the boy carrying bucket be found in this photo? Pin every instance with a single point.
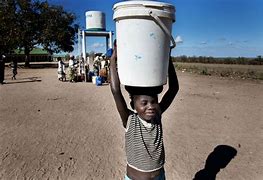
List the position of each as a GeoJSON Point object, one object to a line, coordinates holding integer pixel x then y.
{"type": "Point", "coordinates": [143, 126]}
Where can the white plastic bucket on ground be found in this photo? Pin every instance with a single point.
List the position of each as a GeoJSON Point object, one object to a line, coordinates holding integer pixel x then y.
{"type": "Point", "coordinates": [94, 79]}
{"type": "Point", "coordinates": [95, 21]}
{"type": "Point", "coordinates": [143, 33]}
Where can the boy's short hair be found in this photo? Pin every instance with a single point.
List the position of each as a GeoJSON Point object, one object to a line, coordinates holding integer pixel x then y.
{"type": "Point", "coordinates": [150, 91]}
{"type": "Point", "coordinates": [134, 90]}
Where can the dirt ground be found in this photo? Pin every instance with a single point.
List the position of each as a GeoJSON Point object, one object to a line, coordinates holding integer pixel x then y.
{"type": "Point", "coordinates": [71, 131]}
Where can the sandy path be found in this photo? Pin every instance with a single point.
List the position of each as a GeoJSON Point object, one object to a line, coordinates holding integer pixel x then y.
{"type": "Point", "coordinates": [55, 130]}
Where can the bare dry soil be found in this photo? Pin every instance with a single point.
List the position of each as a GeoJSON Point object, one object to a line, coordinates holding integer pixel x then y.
{"type": "Point", "coordinates": [71, 131]}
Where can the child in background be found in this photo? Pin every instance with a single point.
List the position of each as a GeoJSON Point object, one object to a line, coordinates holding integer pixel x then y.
{"type": "Point", "coordinates": [14, 69]}
{"type": "Point", "coordinates": [144, 135]}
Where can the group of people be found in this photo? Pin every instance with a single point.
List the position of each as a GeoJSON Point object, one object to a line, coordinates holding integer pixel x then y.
{"type": "Point", "coordinates": [72, 68]}
{"type": "Point", "coordinates": [78, 69]}
{"type": "Point", "coordinates": [101, 67]}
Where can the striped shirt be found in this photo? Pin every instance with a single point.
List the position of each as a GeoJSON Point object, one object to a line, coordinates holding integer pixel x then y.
{"type": "Point", "coordinates": [144, 144]}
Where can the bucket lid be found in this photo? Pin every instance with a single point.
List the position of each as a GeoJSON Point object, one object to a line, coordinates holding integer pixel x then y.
{"type": "Point", "coordinates": [142, 8]}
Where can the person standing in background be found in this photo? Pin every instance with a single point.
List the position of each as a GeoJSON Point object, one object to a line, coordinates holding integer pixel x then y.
{"type": "Point", "coordinates": [61, 70]}
{"type": "Point", "coordinates": [14, 69]}
{"type": "Point", "coordinates": [71, 69]}
{"type": "Point", "coordinates": [2, 69]}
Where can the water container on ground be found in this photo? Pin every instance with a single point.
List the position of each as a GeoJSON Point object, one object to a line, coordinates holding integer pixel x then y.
{"type": "Point", "coordinates": [98, 81]}
{"type": "Point", "coordinates": [94, 79]}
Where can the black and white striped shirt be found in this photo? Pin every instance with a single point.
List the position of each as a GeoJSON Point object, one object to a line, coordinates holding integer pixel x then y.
{"type": "Point", "coordinates": [144, 144]}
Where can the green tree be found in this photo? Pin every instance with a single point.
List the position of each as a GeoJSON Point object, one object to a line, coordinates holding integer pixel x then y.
{"type": "Point", "coordinates": [8, 27]}
{"type": "Point", "coordinates": [57, 33]}
{"type": "Point", "coordinates": [27, 23]}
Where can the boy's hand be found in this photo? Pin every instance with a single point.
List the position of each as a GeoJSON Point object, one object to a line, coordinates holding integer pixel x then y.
{"type": "Point", "coordinates": [113, 59]}
{"type": "Point", "coordinates": [114, 54]}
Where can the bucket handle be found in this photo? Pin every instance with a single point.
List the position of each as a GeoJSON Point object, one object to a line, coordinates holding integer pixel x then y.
{"type": "Point", "coordinates": [163, 27]}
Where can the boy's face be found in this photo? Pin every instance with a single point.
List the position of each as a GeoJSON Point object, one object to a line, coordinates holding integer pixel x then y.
{"type": "Point", "coordinates": [147, 106]}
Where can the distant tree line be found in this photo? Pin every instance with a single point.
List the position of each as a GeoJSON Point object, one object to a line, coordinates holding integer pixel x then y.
{"type": "Point", "coordinates": [216, 60]}
{"type": "Point", "coordinates": [25, 24]}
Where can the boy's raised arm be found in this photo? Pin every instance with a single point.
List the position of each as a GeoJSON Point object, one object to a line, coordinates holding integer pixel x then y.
{"type": "Point", "coordinates": [172, 89]}
{"type": "Point", "coordinates": [116, 89]}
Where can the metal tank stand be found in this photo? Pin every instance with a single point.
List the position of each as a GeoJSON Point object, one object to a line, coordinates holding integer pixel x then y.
{"type": "Point", "coordinates": [85, 33]}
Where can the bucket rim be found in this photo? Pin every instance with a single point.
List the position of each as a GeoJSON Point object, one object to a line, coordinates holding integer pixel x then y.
{"type": "Point", "coordinates": [143, 9]}
{"type": "Point", "coordinates": [142, 12]}
{"type": "Point", "coordinates": [143, 3]}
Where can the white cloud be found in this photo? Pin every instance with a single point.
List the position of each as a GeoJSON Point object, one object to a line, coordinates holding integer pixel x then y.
{"type": "Point", "coordinates": [97, 45]}
{"type": "Point", "coordinates": [203, 42]}
{"type": "Point", "coordinates": [230, 43]}
{"type": "Point", "coordinates": [178, 39]}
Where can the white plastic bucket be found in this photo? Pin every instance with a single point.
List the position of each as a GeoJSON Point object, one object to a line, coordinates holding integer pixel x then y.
{"type": "Point", "coordinates": [143, 32]}
{"type": "Point", "coordinates": [95, 21]}
{"type": "Point", "coordinates": [94, 79]}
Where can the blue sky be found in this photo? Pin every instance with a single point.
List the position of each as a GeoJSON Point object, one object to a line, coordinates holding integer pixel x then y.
{"type": "Point", "coordinates": [219, 28]}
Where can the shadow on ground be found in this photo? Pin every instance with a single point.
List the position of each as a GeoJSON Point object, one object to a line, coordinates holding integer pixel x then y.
{"type": "Point", "coordinates": [218, 159]}
{"type": "Point", "coordinates": [25, 80]}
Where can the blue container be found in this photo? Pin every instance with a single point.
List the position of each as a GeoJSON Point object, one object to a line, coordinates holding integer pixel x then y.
{"type": "Point", "coordinates": [89, 75]}
{"type": "Point", "coordinates": [109, 52]}
{"type": "Point", "coordinates": [98, 81]}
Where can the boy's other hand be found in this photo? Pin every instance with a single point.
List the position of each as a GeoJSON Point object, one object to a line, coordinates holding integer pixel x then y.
{"type": "Point", "coordinates": [114, 54]}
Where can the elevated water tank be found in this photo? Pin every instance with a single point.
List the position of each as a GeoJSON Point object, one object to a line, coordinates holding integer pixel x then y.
{"type": "Point", "coordinates": [95, 21]}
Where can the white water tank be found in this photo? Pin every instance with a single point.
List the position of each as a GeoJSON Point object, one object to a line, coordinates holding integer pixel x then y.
{"type": "Point", "coordinates": [95, 21]}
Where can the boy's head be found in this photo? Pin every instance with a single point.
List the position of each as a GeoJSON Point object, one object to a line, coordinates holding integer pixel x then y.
{"type": "Point", "coordinates": [134, 90]}
{"type": "Point", "coordinates": [145, 101]}
{"type": "Point", "coordinates": [147, 106]}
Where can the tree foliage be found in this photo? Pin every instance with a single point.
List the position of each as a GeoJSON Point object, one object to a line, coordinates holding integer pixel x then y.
{"type": "Point", "coordinates": [8, 28]}
{"type": "Point", "coordinates": [58, 31]}
{"type": "Point", "coordinates": [28, 23]}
